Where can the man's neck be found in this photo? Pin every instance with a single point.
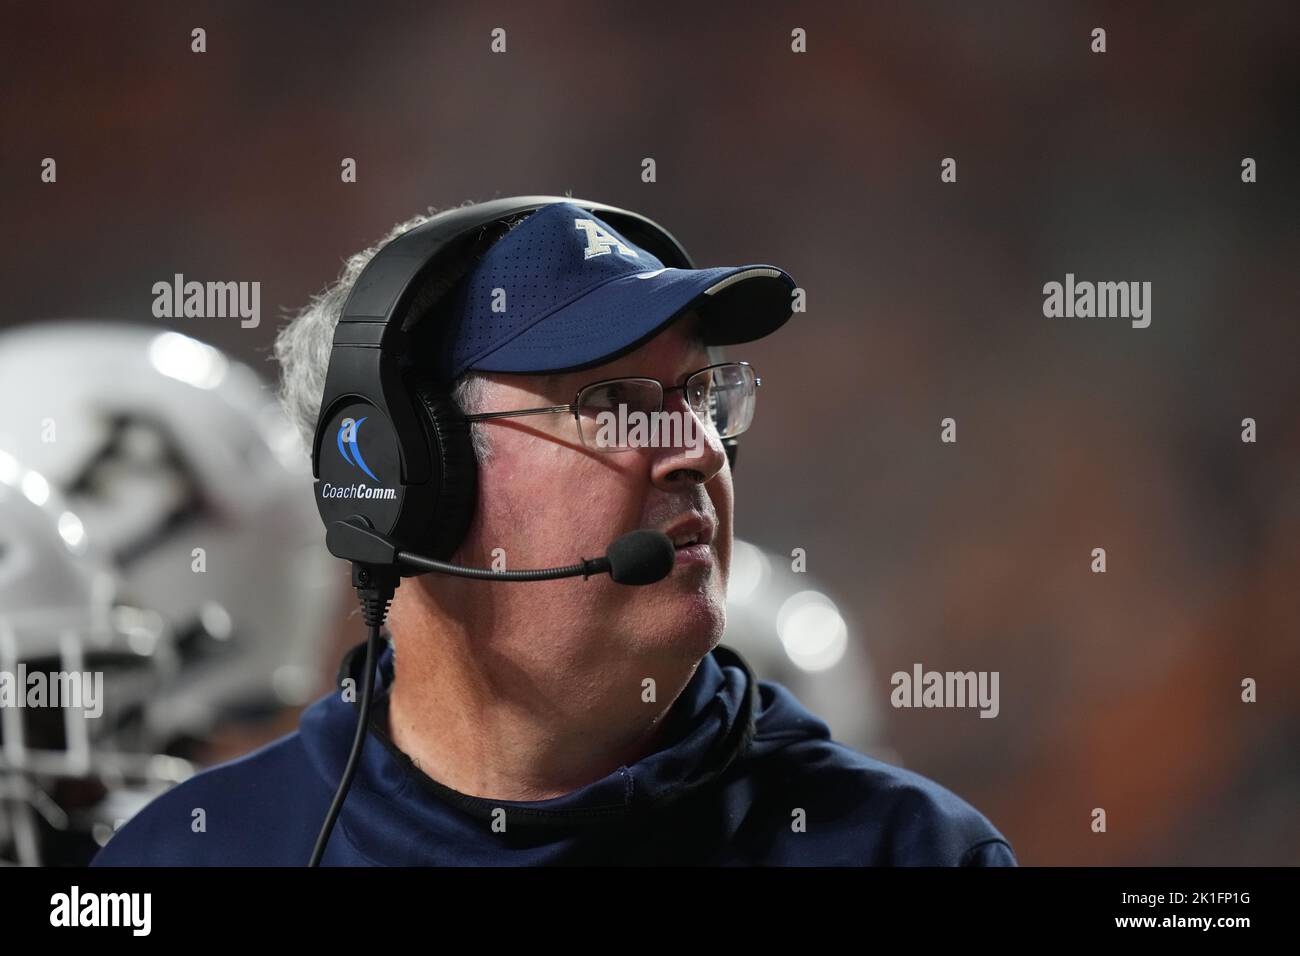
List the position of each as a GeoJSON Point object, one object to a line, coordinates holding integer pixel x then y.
{"type": "Point", "coordinates": [493, 726]}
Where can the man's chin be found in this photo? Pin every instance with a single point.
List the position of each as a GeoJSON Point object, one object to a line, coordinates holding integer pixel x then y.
{"type": "Point", "coordinates": [687, 621]}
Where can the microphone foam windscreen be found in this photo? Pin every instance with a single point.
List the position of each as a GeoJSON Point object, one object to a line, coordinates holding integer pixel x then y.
{"type": "Point", "coordinates": [641, 557]}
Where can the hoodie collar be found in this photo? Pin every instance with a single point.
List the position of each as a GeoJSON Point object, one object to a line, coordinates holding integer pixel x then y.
{"type": "Point", "coordinates": [709, 729]}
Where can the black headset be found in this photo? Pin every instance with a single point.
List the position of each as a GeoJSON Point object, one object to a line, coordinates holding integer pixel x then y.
{"type": "Point", "coordinates": [420, 462]}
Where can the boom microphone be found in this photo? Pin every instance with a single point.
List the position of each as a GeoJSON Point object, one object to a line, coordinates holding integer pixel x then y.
{"type": "Point", "coordinates": [638, 557]}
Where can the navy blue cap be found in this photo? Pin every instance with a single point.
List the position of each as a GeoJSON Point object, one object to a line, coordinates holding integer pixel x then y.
{"type": "Point", "coordinates": [575, 293]}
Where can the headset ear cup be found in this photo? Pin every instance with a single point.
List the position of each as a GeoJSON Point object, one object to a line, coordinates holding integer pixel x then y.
{"type": "Point", "coordinates": [455, 470]}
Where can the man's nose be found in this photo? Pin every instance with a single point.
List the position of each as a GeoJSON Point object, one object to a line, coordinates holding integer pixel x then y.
{"type": "Point", "coordinates": [693, 461]}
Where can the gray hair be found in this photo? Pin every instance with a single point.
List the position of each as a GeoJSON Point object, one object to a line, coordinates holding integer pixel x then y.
{"type": "Point", "coordinates": [303, 347]}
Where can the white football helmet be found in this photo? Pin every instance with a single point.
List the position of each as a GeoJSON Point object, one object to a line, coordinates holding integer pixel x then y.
{"type": "Point", "coordinates": [77, 672]}
{"type": "Point", "coordinates": [185, 471]}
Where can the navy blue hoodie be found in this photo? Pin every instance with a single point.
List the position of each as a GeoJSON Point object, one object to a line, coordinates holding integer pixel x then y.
{"type": "Point", "coordinates": [750, 777]}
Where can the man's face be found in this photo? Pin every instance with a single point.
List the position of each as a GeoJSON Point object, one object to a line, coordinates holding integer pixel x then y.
{"type": "Point", "coordinates": [547, 499]}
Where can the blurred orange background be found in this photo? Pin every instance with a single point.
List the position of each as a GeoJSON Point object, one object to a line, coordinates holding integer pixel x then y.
{"type": "Point", "coordinates": [1119, 690]}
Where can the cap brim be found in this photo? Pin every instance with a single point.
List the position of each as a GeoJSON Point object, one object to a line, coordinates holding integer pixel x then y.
{"type": "Point", "coordinates": [736, 304]}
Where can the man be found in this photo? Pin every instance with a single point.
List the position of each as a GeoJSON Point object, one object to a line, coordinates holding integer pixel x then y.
{"type": "Point", "coordinates": [568, 721]}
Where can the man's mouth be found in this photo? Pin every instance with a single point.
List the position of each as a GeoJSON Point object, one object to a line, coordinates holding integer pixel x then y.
{"type": "Point", "coordinates": [690, 528]}
{"type": "Point", "coordinates": [692, 537]}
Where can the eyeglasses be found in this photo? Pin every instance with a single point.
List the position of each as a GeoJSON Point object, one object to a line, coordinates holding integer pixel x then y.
{"type": "Point", "coordinates": [618, 414]}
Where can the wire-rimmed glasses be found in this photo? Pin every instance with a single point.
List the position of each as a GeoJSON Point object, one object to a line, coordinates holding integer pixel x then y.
{"type": "Point", "coordinates": [618, 414]}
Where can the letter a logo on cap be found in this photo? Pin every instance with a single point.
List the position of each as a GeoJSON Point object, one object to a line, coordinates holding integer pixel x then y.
{"type": "Point", "coordinates": [600, 242]}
